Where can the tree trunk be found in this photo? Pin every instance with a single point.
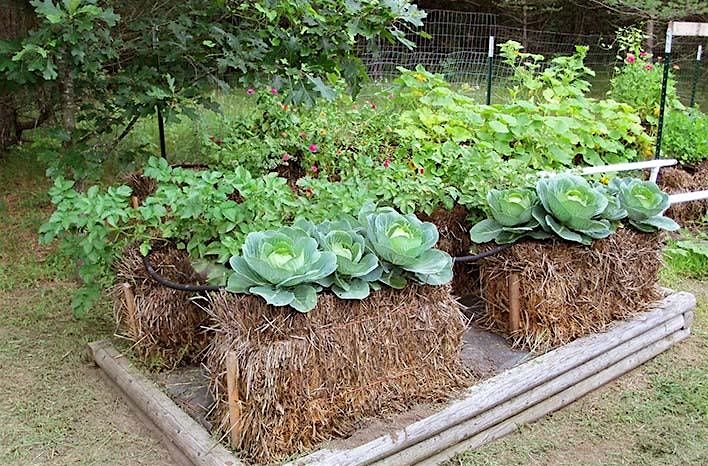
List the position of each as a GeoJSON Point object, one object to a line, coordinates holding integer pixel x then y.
{"type": "Point", "coordinates": [650, 36]}
{"type": "Point", "coordinates": [8, 119]}
{"type": "Point", "coordinates": [68, 103]}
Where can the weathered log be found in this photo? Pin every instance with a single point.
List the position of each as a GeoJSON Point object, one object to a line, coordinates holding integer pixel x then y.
{"type": "Point", "coordinates": [182, 432]}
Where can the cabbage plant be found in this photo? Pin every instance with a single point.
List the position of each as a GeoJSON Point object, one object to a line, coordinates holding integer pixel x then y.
{"type": "Point", "coordinates": [405, 246]}
{"type": "Point", "coordinates": [572, 208]}
{"type": "Point", "coordinates": [357, 270]}
{"type": "Point", "coordinates": [511, 217]}
{"type": "Point", "coordinates": [283, 267]}
{"type": "Point", "coordinates": [644, 203]}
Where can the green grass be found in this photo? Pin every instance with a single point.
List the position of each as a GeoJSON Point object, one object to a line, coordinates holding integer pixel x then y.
{"type": "Point", "coordinates": [54, 409]}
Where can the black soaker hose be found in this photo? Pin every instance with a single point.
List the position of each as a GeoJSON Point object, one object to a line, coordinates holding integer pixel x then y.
{"type": "Point", "coordinates": [196, 288]}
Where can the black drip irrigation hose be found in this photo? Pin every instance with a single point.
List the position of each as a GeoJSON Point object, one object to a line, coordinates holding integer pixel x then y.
{"type": "Point", "coordinates": [197, 288]}
{"type": "Point", "coordinates": [174, 285]}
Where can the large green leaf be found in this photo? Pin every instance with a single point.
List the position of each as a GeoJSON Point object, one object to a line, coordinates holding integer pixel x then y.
{"type": "Point", "coordinates": [274, 296]}
{"type": "Point", "coordinates": [485, 231]}
{"type": "Point", "coordinates": [565, 233]}
{"type": "Point", "coordinates": [305, 298]}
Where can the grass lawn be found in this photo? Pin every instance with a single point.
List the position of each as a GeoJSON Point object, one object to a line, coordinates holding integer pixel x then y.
{"type": "Point", "coordinates": [55, 409]}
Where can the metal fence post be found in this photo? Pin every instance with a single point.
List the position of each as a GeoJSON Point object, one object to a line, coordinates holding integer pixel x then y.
{"type": "Point", "coordinates": [490, 64]}
{"type": "Point", "coordinates": [160, 120]}
{"type": "Point", "coordinates": [696, 74]}
{"type": "Point", "coordinates": [662, 104]}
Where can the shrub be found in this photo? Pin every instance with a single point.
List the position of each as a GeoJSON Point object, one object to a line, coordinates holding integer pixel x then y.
{"type": "Point", "coordinates": [686, 136]}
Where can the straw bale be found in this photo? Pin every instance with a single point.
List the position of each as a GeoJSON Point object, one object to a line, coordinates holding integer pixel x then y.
{"type": "Point", "coordinates": [167, 324]}
{"type": "Point", "coordinates": [455, 240]}
{"type": "Point", "coordinates": [569, 290]}
{"type": "Point", "coordinates": [304, 378]}
{"type": "Point", "coordinates": [681, 180]}
{"type": "Point", "coordinates": [141, 185]}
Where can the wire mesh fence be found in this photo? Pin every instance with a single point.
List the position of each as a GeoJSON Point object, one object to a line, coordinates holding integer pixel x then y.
{"type": "Point", "coordinates": [455, 44]}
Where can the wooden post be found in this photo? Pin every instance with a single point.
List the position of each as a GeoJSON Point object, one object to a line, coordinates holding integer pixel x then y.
{"type": "Point", "coordinates": [134, 202]}
{"type": "Point", "coordinates": [514, 302]}
{"type": "Point", "coordinates": [131, 311]}
{"type": "Point", "coordinates": [234, 403]}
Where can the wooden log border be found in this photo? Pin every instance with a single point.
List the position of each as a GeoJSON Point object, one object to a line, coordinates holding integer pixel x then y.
{"type": "Point", "coordinates": [486, 411]}
{"type": "Point", "coordinates": [187, 441]}
{"type": "Point", "coordinates": [496, 406]}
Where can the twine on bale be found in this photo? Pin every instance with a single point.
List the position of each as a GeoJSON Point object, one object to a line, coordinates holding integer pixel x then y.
{"type": "Point", "coordinates": [568, 290]}
{"type": "Point", "coordinates": [164, 324]}
{"type": "Point", "coordinates": [304, 378]}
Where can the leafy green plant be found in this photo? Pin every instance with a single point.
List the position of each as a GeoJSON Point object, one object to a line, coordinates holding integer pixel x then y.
{"type": "Point", "coordinates": [282, 266]}
{"type": "Point", "coordinates": [688, 257]}
{"type": "Point", "coordinates": [405, 247]}
{"type": "Point", "coordinates": [90, 225]}
{"type": "Point", "coordinates": [644, 203]}
{"type": "Point", "coordinates": [573, 208]}
{"type": "Point", "coordinates": [357, 269]}
{"type": "Point", "coordinates": [554, 129]}
{"type": "Point", "coordinates": [638, 81]}
{"type": "Point", "coordinates": [686, 136]}
{"type": "Point", "coordinates": [512, 217]}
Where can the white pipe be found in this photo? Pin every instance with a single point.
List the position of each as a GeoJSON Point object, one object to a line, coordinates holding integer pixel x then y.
{"type": "Point", "coordinates": [621, 167]}
{"type": "Point", "coordinates": [490, 52]}
{"type": "Point", "coordinates": [687, 197]}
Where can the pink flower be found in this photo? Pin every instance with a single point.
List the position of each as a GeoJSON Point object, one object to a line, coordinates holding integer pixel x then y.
{"type": "Point", "coordinates": [649, 67]}
{"type": "Point", "coordinates": [643, 54]}
{"type": "Point", "coordinates": [273, 90]}
{"type": "Point", "coordinates": [286, 157]}
{"type": "Point", "coordinates": [314, 169]}
{"type": "Point", "coordinates": [313, 148]}
{"type": "Point", "coordinates": [630, 58]}
{"type": "Point", "coordinates": [250, 91]}
{"type": "Point", "coordinates": [387, 163]}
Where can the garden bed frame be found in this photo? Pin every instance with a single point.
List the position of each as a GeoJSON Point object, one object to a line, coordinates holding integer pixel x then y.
{"type": "Point", "coordinates": [483, 413]}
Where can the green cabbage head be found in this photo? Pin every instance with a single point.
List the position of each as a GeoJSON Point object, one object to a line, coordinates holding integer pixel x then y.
{"type": "Point", "coordinates": [281, 266]}
{"type": "Point", "coordinates": [405, 246]}
{"type": "Point", "coordinates": [645, 204]}
{"type": "Point", "coordinates": [512, 217]}
{"type": "Point", "coordinates": [572, 208]}
{"type": "Point", "coordinates": [356, 270]}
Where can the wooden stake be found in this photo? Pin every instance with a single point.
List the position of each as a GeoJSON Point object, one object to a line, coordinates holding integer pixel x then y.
{"type": "Point", "coordinates": [134, 202]}
{"type": "Point", "coordinates": [514, 302]}
{"type": "Point", "coordinates": [234, 404]}
{"type": "Point", "coordinates": [131, 314]}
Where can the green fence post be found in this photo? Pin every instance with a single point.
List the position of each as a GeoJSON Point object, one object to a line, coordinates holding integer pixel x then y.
{"type": "Point", "coordinates": [662, 104]}
{"type": "Point", "coordinates": [696, 74]}
{"type": "Point", "coordinates": [490, 64]}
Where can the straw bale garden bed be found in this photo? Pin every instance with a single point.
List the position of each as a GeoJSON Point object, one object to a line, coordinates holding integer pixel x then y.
{"type": "Point", "coordinates": [381, 282]}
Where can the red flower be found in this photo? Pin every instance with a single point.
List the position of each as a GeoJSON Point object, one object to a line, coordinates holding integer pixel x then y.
{"type": "Point", "coordinates": [314, 169]}
{"type": "Point", "coordinates": [649, 67]}
{"type": "Point", "coordinates": [312, 148]}
{"type": "Point", "coordinates": [387, 163]}
{"type": "Point", "coordinates": [630, 58]}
